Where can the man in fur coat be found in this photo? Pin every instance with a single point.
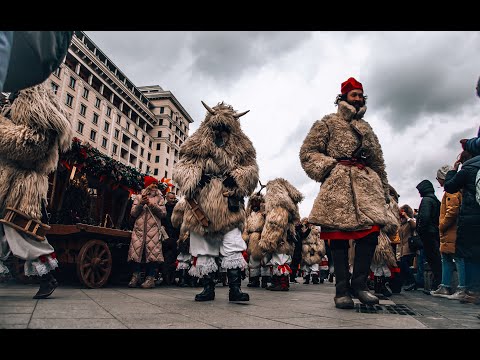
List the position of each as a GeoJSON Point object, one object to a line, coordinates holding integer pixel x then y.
{"type": "Point", "coordinates": [251, 235]}
{"type": "Point", "coordinates": [33, 130]}
{"type": "Point", "coordinates": [279, 233]}
{"type": "Point", "coordinates": [216, 170]}
{"type": "Point", "coordinates": [313, 249]}
{"type": "Point", "coordinates": [342, 152]}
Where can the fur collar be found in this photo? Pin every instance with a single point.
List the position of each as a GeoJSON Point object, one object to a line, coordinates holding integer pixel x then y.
{"type": "Point", "coordinates": [347, 111]}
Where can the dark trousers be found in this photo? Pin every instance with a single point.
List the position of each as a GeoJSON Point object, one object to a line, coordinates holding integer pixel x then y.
{"type": "Point", "coordinates": [150, 268]}
{"type": "Point", "coordinates": [431, 249]}
{"type": "Point", "coordinates": [407, 276]}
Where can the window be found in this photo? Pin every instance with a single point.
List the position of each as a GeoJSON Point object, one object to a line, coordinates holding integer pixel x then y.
{"type": "Point", "coordinates": [171, 114]}
{"type": "Point", "coordinates": [158, 146]}
{"type": "Point", "coordinates": [140, 165]}
{"type": "Point", "coordinates": [168, 150]}
{"type": "Point", "coordinates": [93, 135]}
{"type": "Point", "coordinates": [166, 162]}
{"type": "Point", "coordinates": [69, 100]}
{"type": "Point", "coordinates": [116, 133]}
{"type": "Point", "coordinates": [162, 110]}
{"type": "Point", "coordinates": [83, 109]}
{"type": "Point", "coordinates": [106, 128]}
{"type": "Point", "coordinates": [85, 93]}
{"type": "Point", "coordinates": [159, 134]}
{"type": "Point", "coordinates": [150, 144]}
{"type": "Point", "coordinates": [143, 138]}
{"type": "Point", "coordinates": [57, 72]}
{"type": "Point", "coordinates": [147, 170]}
{"type": "Point", "coordinates": [170, 125]}
{"type": "Point", "coordinates": [97, 103]}
{"type": "Point", "coordinates": [104, 142]}
{"type": "Point", "coordinates": [149, 157]}
{"type": "Point", "coordinates": [54, 87]}
{"type": "Point", "coordinates": [109, 111]}
{"type": "Point", "coordinates": [119, 119]}
{"type": "Point", "coordinates": [166, 174]}
{"type": "Point", "coordinates": [136, 132]}
{"type": "Point", "coordinates": [155, 171]}
{"type": "Point", "coordinates": [157, 159]}
{"type": "Point", "coordinates": [141, 151]}
{"type": "Point", "coordinates": [95, 118]}
{"type": "Point", "coordinates": [161, 122]}
{"type": "Point", "coordinates": [72, 82]}
{"type": "Point", "coordinates": [128, 126]}
{"type": "Point", "coordinates": [80, 127]}
{"type": "Point", "coordinates": [114, 149]}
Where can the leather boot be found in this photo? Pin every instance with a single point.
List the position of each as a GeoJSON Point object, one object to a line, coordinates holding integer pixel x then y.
{"type": "Point", "coordinates": [342, 298]}
{"type": "Point", "coordinates": [47, 285]}
{"type": "Point", "coordinates": [265, 281]}
{"type": "Point", "coordinates": [234, 282]}
{"type": "Point", "coordinates": [182, 278]}
{"type": "Point", "coordinates": [275, 284]}
{"type": "Point", "coordinates": [284, 283]}
{"type": "Point", "coordinates": [208, 292]}
{"type": "Point", "coordinates": [134, 280]}
{"type": "Point", "coordinates": [306, 279]}
{"type": "Point", "coordinates": [149, 283]}
{"type": "Point", "coordinates": [293, 276]}
{"type": "Point", "coordinates": [364, 250]}
{"type": "Point", "coordinates": [315, 279]}
{"type": "Point", "coordinates": [254, 281]}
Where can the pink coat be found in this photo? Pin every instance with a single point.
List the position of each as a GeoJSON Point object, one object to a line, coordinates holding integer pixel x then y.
{"type": "Point", "coordinates": [146, 235]}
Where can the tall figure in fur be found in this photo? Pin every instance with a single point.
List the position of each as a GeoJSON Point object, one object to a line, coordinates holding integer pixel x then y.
{"type": "Point", "coordinates": [279, 233]}
{"type": "Point", "coordinates": [342, 152]}
{"type": "Point", "coordinates": [216, 170]}
{"type": "Point", "coordinates": [33, 130]}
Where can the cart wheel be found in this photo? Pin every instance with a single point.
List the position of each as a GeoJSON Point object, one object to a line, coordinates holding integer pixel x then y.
{"type": "Point", "coordinates": [94, 264]}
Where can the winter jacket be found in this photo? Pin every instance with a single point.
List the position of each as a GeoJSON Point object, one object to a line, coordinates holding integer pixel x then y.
{"type": "Point", "coordinates": [468, 225]}
{"type": "Point", "coordinates": [350, 198]}
{"type": "Point", "coordinates": [146, 235]}
{"type": "Point", "coordinates": [449, 210]}
{"type": "Point", "coordinates": [429, 210]}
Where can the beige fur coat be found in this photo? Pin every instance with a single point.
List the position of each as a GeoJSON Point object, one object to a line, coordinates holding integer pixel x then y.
{"type": "Point", "coordinates": [350, 198]}
{"type": "Point", "coordinates": [254, 226]}
{"type": "Point", "coordinates": [33, 130]}
{"type": "Point", "coordinates": [281, 208]}
{"type": "Point", "coordinates": [218, 149]}
{"type": "Point", "coordinates": [313, 248]}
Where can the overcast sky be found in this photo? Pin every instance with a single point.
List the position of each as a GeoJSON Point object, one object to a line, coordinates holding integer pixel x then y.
{"type": "Point", "coordinates": [420, 87]}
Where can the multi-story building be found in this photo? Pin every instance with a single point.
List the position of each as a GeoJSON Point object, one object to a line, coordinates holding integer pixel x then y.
{"type": "Point", "coordinates": [142, 127]}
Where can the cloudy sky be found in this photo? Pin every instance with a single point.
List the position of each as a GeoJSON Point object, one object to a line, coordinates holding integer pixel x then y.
{"type": "Point", "coordinates": [420, 87]}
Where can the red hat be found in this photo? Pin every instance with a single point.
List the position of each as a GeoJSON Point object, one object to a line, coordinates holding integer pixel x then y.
{"type": "Point", "coordinates": [350, 85]}
{"type": "Point", "coordinates": [149, 180]}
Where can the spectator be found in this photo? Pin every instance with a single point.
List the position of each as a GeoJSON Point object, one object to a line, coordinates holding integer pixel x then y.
{"type": "Point", "coordinates": [407, 228]}
{"type": "Point", "coordinates": [169, 246]}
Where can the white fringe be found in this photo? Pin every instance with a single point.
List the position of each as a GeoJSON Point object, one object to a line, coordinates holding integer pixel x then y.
{"type": "Point", "coordinates": [234, 261]}
{"type": "Point", "coordinates": [36, 267]}
{"type": "Point", "coordinates": [3, 269]}
{"type": "Point", "coordinates": [203, 269]}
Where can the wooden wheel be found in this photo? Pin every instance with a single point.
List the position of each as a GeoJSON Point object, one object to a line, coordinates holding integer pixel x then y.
{"type": "Point", "coordinates": [94, 264]}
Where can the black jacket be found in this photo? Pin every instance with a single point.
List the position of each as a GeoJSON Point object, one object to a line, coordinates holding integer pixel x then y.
{"type": "Point", "coordinates": [468, 226]}
{"type": "Point", "coordinates": [429, 210]}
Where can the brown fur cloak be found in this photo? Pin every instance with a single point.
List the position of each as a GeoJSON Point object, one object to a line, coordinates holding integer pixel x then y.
{"type": "Point", "coordinates": [254, 225]}
{"type": "Point", "coordinates": [350, 198]}
{"type": "Point", "coordinates": [201, 156]}
{"type": "Point", "coordinates": [281, 207]}
{"type": "Point", "coordinates": [33, 130]}
{"type": "Point", "coordinates": [313, 248]}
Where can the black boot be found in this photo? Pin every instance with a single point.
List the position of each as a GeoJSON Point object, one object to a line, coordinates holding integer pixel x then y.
{"type": "Point", "coordinates": [234, 282]}
{"type": "Point", "coordinates": [265, 281]}
{"type": "Point", "coordinates": [364, 250]}
{"type": "Point", "coordinates": [386, 291]}
{"type": "Point", "coordinates": [306, 279]}
{"type": "Point", "coordinates": [47, 285]}
{"type": "Point", "coordinates": [208, 292]}
{"type": "Point", "coordinates": [275, 284]}
{"type": "Point", "coordinates": [293, 276]}
{"type": "Point", "coordinates": [378, 284]}
{"type": "Point", "coordinates": [182, 278]}
{"type": "Point", "coordinates": [343, 299]}
{"type": "Point", "coordinates": [254, 281]}
{"type": "Point", "coordinates": [315, 279]}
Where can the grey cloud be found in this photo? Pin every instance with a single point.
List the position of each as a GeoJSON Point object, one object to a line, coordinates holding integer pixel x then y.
{"type": "Point", "coordinates": [293, 141]}
{"type": "Point", "coordinates": [428, 75]}
{"type": "Point", "coordinates": [454, 142]}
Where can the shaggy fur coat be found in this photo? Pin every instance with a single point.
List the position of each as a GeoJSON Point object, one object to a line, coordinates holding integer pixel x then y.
{"type": "Point", "coordinates": [281, 207]}
{"type": "Point", "coordinates": [33, 130]}
{"type": "Point", "coordinates": [350, 198]}
{"type": "Point", "coordinates": [254, 226]}
{"type": "Point", "coordinates": [177, 223]}
{"type": "Point", "coordinates": [313, 248]}
{"type": "Point", "coordinates": [218, 149]}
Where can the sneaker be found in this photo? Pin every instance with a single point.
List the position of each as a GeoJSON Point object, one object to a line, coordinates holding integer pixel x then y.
{"type": "Point", "coordinates": [442, 291]}
{"type": "Point", "coordinates": [458, 295]}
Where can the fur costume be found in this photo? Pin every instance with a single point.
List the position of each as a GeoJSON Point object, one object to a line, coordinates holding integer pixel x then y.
{"type": "Point", "coordinates": [216, 151]}
{"type": "Point", "coordinates": [281, 207]}
{"type": "Point", "coordinates": [33, 130]}
{"type": "Point", "coordinates": [254, 225]}
{"type": "Point", "coordinates": [350, 198]}
{"type": "Point", "coordinates": [313, 248]}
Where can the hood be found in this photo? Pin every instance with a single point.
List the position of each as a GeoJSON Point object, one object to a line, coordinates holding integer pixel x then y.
{"type": "Point", "coordinates": [473, 162]}
{"type": "Point", "coordinates": [425, 187]}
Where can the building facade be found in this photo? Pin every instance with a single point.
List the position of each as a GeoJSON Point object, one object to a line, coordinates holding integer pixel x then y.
{"type": "Point", "coordinates": [142, 127]}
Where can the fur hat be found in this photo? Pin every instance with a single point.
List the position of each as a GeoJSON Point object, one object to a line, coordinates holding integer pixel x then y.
{"type": "Point", "coordinates": [442, 172]}
{"type": "Point", "coordinates": [350, 85]}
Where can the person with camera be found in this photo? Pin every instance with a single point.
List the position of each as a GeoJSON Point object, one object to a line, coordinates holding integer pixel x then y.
{"type": "Point", "coordinates": [406, 230]}
{"type": "Point", "coordinates": [342, 152]}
